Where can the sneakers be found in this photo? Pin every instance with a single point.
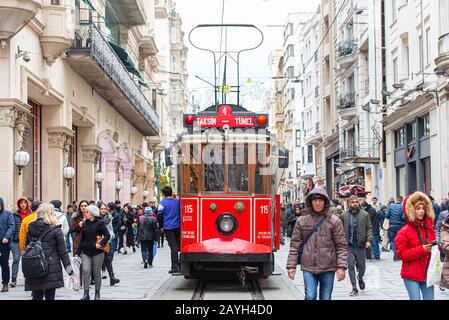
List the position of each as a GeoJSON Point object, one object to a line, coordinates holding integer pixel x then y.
{"type": "Point", "coordinates": [145, 265]}
{"type": "Point", "coordinates": [104, 275]}
{"type": "Point", "coordinates": [150, 266]}
{"type": "Point", "coordinates": [13, 284]}
{"type": "Point", "coordinates": [134, 249]}
{"type": "Point", "coordinates": [354, 292]}
{"type": "Point", "coordinates": [5, 288]}
{"type": "Point", "coordinates": [361, 284]}
{"type": "Point", "coordinates": [442, 288]}
{"type": "Point", "coordinates": [126, 252]}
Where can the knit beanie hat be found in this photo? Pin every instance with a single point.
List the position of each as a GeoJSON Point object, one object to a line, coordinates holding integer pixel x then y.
{"type": "Point", "coordinates": [94, 210]}
{"type": "Point", "coordinates": [148, 210]}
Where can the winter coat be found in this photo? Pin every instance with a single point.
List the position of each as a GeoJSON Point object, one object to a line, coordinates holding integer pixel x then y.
{"type": "Point", "coordinates": [89, 233]}
{"type": "Point", "coordinates": [62, 220]}
{"type": "Point", "coordinates": [76, 230]}
{"type": "Point", "coordinates": [116, 222]}
{"type": "Point", "coordinates": [443, 216]}
{"type": "Point", "coordinates": [381, 215]}
{"type": "Point", "coordinates": [408, 244]}
{"type": "Point", "coordinates": [364, 227]}
{"type": "Point", "coordinates": [327, 249]}
{"type": "Point", "coordinates": [6, 222]}
{"type": "Point", "coordinates": [55, 251]}
{"type": "Point", "coordinates": [284, 217]}
{"type": "Point", "coordinates": [149, 227]}
{"type": "Point", "coordinates": [108, 222]}
{"type": "Point", "coordinates": [17, 224]}
{"type": "Point", "coordinates": [445, 247]}
{"type": "Point", "coordinates": [395, 213]}
{"type": "Point", "coordinates": [24, 230]}
{"type": "Point", "coordinates": [127, 222]}
{"type": "Point", "coordinates": [375, 220]}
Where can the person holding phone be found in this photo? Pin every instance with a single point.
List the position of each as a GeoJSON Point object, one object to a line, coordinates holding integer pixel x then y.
{"type": "Point", "coordinates": [414, 243]}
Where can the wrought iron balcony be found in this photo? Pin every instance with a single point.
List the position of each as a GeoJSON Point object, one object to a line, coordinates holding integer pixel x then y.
{"type": "Point", "coordinates": [345, 48]}
{"type": "Point", "coordinates": [346, 101]}
{"type": "Point", "coordinates": [95, 61]}
{"type": "Point", "coordinates": [366, 151]}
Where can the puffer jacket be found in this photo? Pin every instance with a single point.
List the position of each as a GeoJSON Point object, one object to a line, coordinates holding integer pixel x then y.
{"type": "Point", "coordinates": [327, 249]}
{"type": "Point", "coordinates": [6, 222]}
{"type": "Point", "coordinates": [409, 248]}
{"type": "Point", "coordinates": [55, 251]}
{"type": "Point", "coordinates": [62, 220]}
{"type": "Point", "coordinates": [444, 242]}
{"type": "Point", "coordinates": [17, 224]}
{"type": "Point", "coordinates": [395, 213]}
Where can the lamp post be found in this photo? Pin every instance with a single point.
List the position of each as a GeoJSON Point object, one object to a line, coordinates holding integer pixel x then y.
{"type": "Point", "coordinates": [69, 173]}
{"type": "Point", "coordinates": [99, 177]}
{"type": "Point", "coordinates": [118, 187]}
{"type": "Point", "coordinates": [22, 157]}
{"type": "Point", "coordinates": [21, 160]}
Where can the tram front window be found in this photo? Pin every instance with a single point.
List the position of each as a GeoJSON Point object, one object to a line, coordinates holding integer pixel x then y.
{"type": "Point", "coordinates": [194, 171]}
{"type": "Point", "coordinates": [214, 172]}
{"type": "Point", "coordinates": [238, 168]}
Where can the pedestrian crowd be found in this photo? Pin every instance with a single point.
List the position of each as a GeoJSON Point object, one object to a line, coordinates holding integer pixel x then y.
{"type": "Point", "coordinates": [42, 235]}
{"type": "Point", "coordinates": [329, 237]}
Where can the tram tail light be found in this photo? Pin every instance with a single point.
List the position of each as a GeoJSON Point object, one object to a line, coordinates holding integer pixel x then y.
{"type": "Point", "coordinates": [262, 120]}
{"type": "Point", "coordinates": [189, 119]}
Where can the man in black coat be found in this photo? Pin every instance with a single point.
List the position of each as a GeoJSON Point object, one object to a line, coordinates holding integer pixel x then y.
{"type": "Point", "coordinates": [374, 251]}
{"type": "Point", "coordinates": [148, 225]}
{"type": "Point", "coordinates": [116, 224]}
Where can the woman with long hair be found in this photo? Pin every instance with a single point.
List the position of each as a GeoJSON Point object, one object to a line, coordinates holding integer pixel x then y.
{"type": "Point", "coordinates": [55, 250]}
{"type": "Point", "coordinates": [127, 229]}
{"type": "Point", "coordinates": [91, 251]}
{"type": "Point", "coordinates": [107, 218]}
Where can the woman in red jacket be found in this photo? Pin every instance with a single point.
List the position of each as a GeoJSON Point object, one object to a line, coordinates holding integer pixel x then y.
{"type": "Point", "coordinates": [414, 244]}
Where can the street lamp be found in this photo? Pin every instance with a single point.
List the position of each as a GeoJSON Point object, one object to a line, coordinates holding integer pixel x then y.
{"type": "Point", "coordinates": [69, 173]}
{"type": "Point", "coordinates": [118, 185]}
{"type": "Point", "coordinates": [99, 177]}
{"type": "Point", "coordinates": [21, 160]}
{"type": "Point", "coordinates": [133, 190]}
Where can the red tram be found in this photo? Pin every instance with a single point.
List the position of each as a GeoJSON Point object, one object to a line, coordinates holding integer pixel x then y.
{"type": "Point", "coordinates": [228, 172]}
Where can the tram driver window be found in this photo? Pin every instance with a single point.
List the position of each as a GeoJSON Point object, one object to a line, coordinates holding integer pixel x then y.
{"type": "Point", "coordinates": [194, 170]}
{"type": "Point", "coordinates": [238, 168]}
{"type": "Point", "coordinates": [214, 172]}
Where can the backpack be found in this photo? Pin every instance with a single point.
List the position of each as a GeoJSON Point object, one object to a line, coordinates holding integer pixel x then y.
{"type": "Point", "coordinates": [34, 263]}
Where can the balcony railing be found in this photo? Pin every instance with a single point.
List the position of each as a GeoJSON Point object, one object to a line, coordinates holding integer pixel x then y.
{"type": "Point", "coordinates": [364, 149]}
{"type": "Point", "coordinates": [345, 48]}
{"type": "Point", "coordinates": [88, 39]}
{"type": "Point", "coordinates": [317, 128]}
{"type": "Point", "coordinates": [346, 101]}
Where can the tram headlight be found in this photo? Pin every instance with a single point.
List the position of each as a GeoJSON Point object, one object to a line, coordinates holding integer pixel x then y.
{"type": "Point", "coordinates": [226, 224]}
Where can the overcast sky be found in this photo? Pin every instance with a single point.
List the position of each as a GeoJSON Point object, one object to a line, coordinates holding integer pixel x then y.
{"type": "Point", "coordinates": [254, 64]}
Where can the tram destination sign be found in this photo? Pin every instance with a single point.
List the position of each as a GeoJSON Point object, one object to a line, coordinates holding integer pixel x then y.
{"type": "Point", "coordinates": [225, 117]}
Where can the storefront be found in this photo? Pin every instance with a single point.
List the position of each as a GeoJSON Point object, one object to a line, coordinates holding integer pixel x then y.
{"type": "Point", "coordinates": [332, 178]}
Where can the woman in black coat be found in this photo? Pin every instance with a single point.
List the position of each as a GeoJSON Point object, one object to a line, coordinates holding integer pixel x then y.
{"type": "Point", "coordinates": [55, 250]}
{"type": "Point", "coordinates": [127, 228]}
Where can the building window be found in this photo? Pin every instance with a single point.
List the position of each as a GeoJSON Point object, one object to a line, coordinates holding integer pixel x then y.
{"type": "Point", "coordinates": [424, 126]}
{"type": "Point", "coordinates": [55, 2]}
{"type": "Point", "coordinates": [174, 64]}
{"type": "Point", "coordinates": [407, 61]}
{"type": "Point", "coordinates": [310, 154]}
{"type": "Point", "coordinates": [174, 95]}
{"type": "Point", "coordinates": [289, 30]}
{"type": "Point", "coordinates": [395, 70]}
{"type": "Point", "coordinates": [154, 98]}
{"type": "Point", "coordinates": [400, 181]}
{"type": "Point", "coordinates": [298, 138]}
{"type": "Point", "coordinates": [291, 94]}
{"type": "Point", "coordinates": [394, 11]}
{"type": "Point", "coordinates": [302, 154]}
{"type": "Point", "coordinates": [421, 52]}
{"type": "Point", "coordinates": [427, 179]}
{"type": "Point", "coordinates": [298, 169]}
{"type": "Point", "coordinates": [411, 132]}
{"type": "Point", "coordinates": [428, 49]}
{"type": "Point", "coordinates": [291, 72]}
{"type": "Point", "coordinates": [290, 50]}
{"type": "Point", "coordinates": [173, 34]}
{"type": "Point", "coordinates": [399, 137]}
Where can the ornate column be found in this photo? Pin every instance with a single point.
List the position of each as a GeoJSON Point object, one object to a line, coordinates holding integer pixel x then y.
{"type": "Point", "coordinates": [86, 170]}
{"type": "Point", "coordinates": [54, 159]}
{"type": "Point", "coordinates": [125, 193]}
{"type": "Point", "coordinates": [8, 117]}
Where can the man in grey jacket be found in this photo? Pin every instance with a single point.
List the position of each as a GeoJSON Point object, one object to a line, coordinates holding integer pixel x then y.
{"type": "Point", "coordinates": [6, 231]}
{"type": "Point", "coordinates": [359, 233]}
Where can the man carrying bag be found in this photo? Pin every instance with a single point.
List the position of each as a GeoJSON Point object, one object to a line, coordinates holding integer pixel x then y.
{"type": "Point", "coordinates": [319, 245]}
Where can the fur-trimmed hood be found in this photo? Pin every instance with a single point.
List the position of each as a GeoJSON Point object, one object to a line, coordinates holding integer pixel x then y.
{"type": "Point", "coordinates": [410, 203]}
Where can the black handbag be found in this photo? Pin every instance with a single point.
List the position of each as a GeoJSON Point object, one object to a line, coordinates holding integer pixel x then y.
{"type": "Point", "coordinates": [301, 247]}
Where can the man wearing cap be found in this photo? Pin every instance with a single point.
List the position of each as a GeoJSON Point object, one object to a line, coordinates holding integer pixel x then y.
{"type": "Point", "coordinates": [359, 234]}
{"type": "Point", "coordinates": [320, 235]}
{"type": "Point", "coordinates": [148, 230]}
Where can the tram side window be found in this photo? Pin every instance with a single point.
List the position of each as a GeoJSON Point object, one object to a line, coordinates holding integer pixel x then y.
{"type": "Point", "coordinates": [238, 168]}
{"type": "Point", "coordinates": [262, 169]}
{"type": "Point", "coordinates": [214, 172]}
{"type": "Point", "coordinates": [194, 170]}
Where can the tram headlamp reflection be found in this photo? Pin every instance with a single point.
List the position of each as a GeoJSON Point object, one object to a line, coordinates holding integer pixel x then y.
{"type": "Point", "coordinates": [226, 224]}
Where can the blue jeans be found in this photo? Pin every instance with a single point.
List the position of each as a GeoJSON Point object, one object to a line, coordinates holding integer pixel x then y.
{"type": "Point", "coordinates": [67, 242]}
{"type": "Point", "coordinates": [392, 235]}
{"type": "Point", "coordinates": [415, 289]}
{"type": "Point", "coordinates": [15, 249]}
{"type": "Point", "coordinates": [4, 262]}
{"type": "Point", "coordinates": [146, 247]}
{"type": "Point", "coordinates": [114, 243]}
{"type": "Point", "coordinates": [326, 281]}
{"type": "Point", "coordinates": [375, 246]}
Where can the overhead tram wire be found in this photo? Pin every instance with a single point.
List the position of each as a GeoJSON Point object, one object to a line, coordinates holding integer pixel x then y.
{"type": "Point", "coordinates": [221, 38]}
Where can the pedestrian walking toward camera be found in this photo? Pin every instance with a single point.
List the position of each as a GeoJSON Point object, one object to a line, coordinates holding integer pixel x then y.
{"type": "Point", "coordinates": [107, 264]}
{"type": "Point", "coordinates": [91, 249]}
{"type": "Point", "coordinates": [319, 245]}
{"type": "Point", "coordinates": [284, 223]}
{"type": "Point", "coordinates": [61, 216]}
{"type": "Point", "coordinates": [359, 234]}
{"type": "Point", "coordinates": [23, 211]}
{"type": "Point", "coordinates": [25, 222]}
{"type": "Point", "coordinates": [47, 228]}
{"type": "Point", "coordinates": [6, 233]}
{"type": "Point", "coordinates": [169, 213]}
{"type": "Point", "coordinates": [148, 230]}
{"type": "Point", "coordinates": [413, 245]}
